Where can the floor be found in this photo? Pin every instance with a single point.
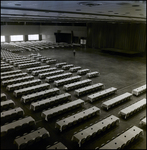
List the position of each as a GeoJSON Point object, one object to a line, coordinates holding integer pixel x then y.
{"type": "Point", "coordinates": [125, 72]}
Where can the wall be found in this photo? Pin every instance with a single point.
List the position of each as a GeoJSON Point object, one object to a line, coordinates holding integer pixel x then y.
{"type": "Point", "coordinates": [126, 37]}
{"type": "Point", "coordinates": [19, 29]}
{"type": "Point", "coordinates": [48, 31]}
{"type": "Point", "coordinates": [8, 30]}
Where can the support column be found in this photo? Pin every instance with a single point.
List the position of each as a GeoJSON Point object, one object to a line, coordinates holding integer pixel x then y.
{"type": "Point", "coordinates": [7, 38]}
{"type": "Point", "coordinates": [40, 37]}
{"type": "Point", "coordinates": [25, 38]}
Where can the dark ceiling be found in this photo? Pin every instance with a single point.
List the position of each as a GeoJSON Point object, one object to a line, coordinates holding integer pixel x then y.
{"type": "Point", "coordinates": [73, 11]}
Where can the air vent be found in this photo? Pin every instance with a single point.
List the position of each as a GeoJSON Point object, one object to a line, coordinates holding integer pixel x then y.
{"type": "Point", "coordinates": [137, 9]}
{"type": "Point", "coordinates": [78, 9]}
{"type": "Point", "coordinates": [110, 11]}
{"type": "Point", "coordinates": [89, 4]}
{"type": "Point", "coordinates": [17, 4]}
{"type": "Point", "coordinates": [135, 5]}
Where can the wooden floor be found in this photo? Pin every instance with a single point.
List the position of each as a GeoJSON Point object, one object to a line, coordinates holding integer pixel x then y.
{"type": "Point", "coordinates": [123, 72]}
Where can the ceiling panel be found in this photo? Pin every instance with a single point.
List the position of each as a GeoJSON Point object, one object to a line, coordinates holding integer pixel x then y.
{"type": "Point", "coordinates": [43, 11]}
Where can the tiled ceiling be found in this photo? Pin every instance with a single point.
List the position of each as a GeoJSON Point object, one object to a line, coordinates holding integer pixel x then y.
{"type": "Point", "coordinates": [73, 11]}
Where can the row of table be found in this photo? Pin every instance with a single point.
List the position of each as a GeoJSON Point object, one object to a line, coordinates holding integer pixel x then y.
{"type": "Point", "coordinates": [29, 70]}
{"type": "Point", "coordinates": [17, 80]}
{"type": "Point", "coordinates": [36, 72]}
{"type": "Point", "coordinates": [13, 76]}
{"type": "Point", "coordinates": [39, 95]}
{"type": "Point", "coordinates": [21, 85]}
{"type": "Point", "coordinates": [52, 73]}
{"type": "Point", "coordinates": [45, 103]}
{"type": "Point", "coordinates": [31, 89]}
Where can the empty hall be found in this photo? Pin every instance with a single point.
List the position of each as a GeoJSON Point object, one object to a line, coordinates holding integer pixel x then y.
{"type": "Point", "coordinates": [73, 75]}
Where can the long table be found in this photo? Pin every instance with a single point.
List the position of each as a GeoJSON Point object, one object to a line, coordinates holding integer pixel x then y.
{"type": "Point", "coordinates": [29, 70]}
{"type": "Point", "coordinates": [98, 95]}
{"type": "Point", "coordinates": [117, 100]}
{"type": "Point", "coordinates": [39, 95]}
{"type": "Point", "coordinates": [16, 86]}
{"type": "Point", "coordinates": [7, 68]}
{"type": "Point", "coordinates": [76, 118]}
{"type": "Point", "coordinates": [132, 108]}
{"type": "Point", "coordinates": [10, 72]}
{"type": "Point", "coordinates": [43, 75]}
{"type": "Point", "coordinates": [60, 64]}
{"type": "Point", "coordinates": [89, 89]}
{"type": "Point", "coordinates": [28, 65]}
{"type": "Point", "coordinates": [7, 104]}
{"type": "Point", "coordinates": [57, 145]}
{"type": "Point", "coordinates": [49, 101]}
{"type": "Point", "coordinates": [142, 122]}
{"type": "Point", "coordinates": [23, 62]}
{"type": "Point", "coordinates": [3, 97]}
{"type": "Point", "coordinates": [92, 74]}
{"type": "Point", "coordinates": [13, 76]}
{"type": "Point", "coordinates": [36, 72]}
{"type": "Point", "coordinates": [83, 71]}
{"type": "Point", "coordinates": [139, 90]}
{"type": "Point", "coordinates": [89, 132]}
{"type": "Point", "coordinates": [12, 81]}
{"type": "Point", "coordinates": [67, 80]}
{"type": "Point", "coordinates": [14, 125]}
{"type": "Point", "coordinates": [5, 115]}
{"type": "Point", "coordinates": [74, 69]}
{"type": "Point", "coordinates": [52, 61]}
{"type": "Point", "coordinates": [57, 77]}
{"type": "Point", "coordinates": [31, 89]}
{"type": "Point", "coordinates": [78, 84]}
{"type": "Point", "coordinates": [30, 138]}
{"type": "Point", "coordinates": [66, 67]}
{"type": "Point", "coordinates": [60, 109]}
{"type": "Point", "coordinates": [123, 139]}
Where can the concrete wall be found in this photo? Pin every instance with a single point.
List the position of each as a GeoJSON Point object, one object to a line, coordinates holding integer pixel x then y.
{"type": "Point", "coordinates": [47, 32]}
{"type": "Point", "coordinates": [19, 29]}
